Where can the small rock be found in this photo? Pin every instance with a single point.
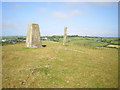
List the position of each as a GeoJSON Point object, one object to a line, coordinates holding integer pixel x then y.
{"type": "Point", "coordinates": [67, 81]}
{"type": "Point", "coordinates": [22, 82]}
{"type": "Point", "coordinates": [46, 66]}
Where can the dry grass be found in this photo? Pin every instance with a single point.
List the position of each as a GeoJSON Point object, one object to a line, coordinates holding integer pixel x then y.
{"type": "Point", "coordinates": [55, 66]}
{"type": "Point", "coordinates": [0, 67]}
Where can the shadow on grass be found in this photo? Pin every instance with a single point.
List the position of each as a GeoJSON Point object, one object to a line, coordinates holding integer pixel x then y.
{"type": "Point", "coordinates": [44, 45]}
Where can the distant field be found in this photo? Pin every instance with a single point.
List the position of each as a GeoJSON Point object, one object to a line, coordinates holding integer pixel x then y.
{"type": "Point", "coordinates": [81, 40]}
{"type": "Point", "coordinates": [75, 65]}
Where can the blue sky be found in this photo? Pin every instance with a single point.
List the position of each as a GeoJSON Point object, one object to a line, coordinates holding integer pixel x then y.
{"type": "Point", "coordinates": [81, 18]}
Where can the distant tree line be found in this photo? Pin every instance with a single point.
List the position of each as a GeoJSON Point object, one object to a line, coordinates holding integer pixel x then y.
{"type": "Point", "coordinates": [12, 40]}
{"type": "Point", "coordinates": [57, 38]}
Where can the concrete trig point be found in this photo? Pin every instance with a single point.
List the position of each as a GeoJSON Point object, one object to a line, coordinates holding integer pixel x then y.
{"type": "Point", "coordinates": [65, 36]}
{"type": "Point", "coordinates": [33, 36]}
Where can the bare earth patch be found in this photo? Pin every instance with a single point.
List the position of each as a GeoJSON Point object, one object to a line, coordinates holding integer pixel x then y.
{"type": "Point", "coordinates": [114, 46]}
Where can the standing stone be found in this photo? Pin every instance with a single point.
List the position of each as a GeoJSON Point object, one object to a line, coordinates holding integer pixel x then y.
{"type": "Point", "coordinates": [65, 36]}
{"type": "Point", "coordinates": [33, 36]}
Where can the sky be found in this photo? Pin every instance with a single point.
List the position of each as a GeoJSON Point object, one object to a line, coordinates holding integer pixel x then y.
{"type": "Point", "coordinates": [81, 18]}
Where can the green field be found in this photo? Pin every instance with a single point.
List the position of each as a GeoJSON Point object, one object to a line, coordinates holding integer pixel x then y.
{"type": "Point", "coordinates": [79, 64]}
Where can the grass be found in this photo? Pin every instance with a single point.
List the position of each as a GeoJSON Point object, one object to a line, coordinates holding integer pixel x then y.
{"type": "Point", "coordinates": [88, 43]}
{"type": "Point", "coordinates": [58, 66]}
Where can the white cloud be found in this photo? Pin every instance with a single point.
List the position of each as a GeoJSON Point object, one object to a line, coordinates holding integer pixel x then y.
{"type": "Point", "coordinates": [42, 9]}
{"type": "Point", "coordinates": [60, 15]}
{"type": "Point", "coordinates": [16, 6]}
{"type": "Point", "coordinates": [75, 12]}
{"type": "Point", "coordinates": [7, 24]}
{"type": "Point", "coordinates": [66, 15]}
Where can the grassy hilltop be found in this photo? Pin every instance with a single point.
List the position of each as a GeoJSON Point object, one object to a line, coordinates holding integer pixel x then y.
{"type": "Point", "coordinates": [75, 65]}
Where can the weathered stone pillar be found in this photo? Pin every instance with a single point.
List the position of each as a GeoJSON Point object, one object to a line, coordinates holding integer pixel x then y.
{"type": "Point", "coordinates": [33, 36]}
{"type": "Point", "coordinates": [65, 36]}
